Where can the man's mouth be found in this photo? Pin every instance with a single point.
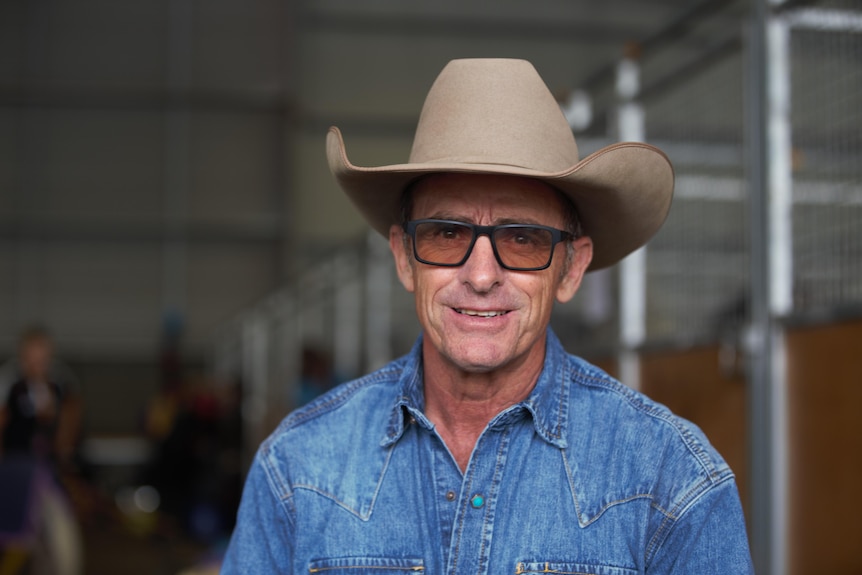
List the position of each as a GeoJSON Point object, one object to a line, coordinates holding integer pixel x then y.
{"type": "Point", "coordinates": [479, 313]}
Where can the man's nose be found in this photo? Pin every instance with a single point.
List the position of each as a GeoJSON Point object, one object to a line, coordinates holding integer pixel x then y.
{"type": "Point", "coordinates": [482, 271]}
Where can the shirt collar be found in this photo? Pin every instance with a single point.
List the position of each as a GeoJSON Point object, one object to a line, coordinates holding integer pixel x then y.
{"type": "Point", "coordinates": [410, 403]}
{"type": "Point", "coordinates": [546, 403]}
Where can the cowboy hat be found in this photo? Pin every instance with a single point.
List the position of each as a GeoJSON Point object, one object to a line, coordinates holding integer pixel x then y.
{"type": "Point", "coordinates": [496, 116]}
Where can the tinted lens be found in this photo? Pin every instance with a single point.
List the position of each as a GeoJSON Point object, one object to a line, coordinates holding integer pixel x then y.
{"type": "Point", "coordinates": [442, 242]}
{"type": "Point", "coordinates": [524, 246]}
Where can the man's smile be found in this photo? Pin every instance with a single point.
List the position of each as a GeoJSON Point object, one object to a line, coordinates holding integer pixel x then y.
{"type": "Point", "coordinates": [481, 313]}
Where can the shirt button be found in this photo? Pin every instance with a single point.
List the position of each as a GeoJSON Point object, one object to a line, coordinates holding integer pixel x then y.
{"type": "Point", "coordinates": [477, 501]}
{"type": "Point", "coordinates": [450, 496]}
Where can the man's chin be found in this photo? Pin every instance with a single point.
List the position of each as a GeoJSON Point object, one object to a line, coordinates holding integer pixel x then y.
{"type": "Point", "coordinates": [478, 360]}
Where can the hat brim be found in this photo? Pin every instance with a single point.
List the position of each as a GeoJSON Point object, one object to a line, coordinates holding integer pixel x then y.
{"type": "Point", "coordinates": [622, 192]}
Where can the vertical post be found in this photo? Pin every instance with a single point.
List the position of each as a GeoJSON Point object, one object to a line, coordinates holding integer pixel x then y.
{"type": "Point", "coordinates": [287, 349]}
{"type": "Point", "coordinates": [768, 104]}
{"type": "Point", "coordinates": [758, 370]}
{"type": "Point", "coordinates": [781, 276]}
{"type": "Point", "coordinates": [348, 316]}
{"type": "Point", "coordinates": [779, 149]}
{"type": "Point", "coordinates": [632, 268]}
{"type": "Point", "coordinates": [378, 289]}
{"type": "Point", "coordinates": [314, 289]}
{"type": "Point", "coordinates": [255, 378]}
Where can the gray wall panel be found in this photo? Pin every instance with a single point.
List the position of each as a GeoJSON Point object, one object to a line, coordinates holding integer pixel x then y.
{"type": "Point", "coordinates": [235, 166]}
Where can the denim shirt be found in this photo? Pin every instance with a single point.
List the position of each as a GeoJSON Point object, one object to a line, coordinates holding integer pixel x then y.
{"type": "Point", "coordinates": [585, 476]}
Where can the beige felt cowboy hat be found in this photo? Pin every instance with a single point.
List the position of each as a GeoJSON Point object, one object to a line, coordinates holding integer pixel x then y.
{"type": "Point", "coordinates": [496, 116]}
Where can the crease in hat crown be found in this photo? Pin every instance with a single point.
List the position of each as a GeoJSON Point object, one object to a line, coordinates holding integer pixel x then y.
{"type": "Point", "coordinates": [497, 116]}
{"type": "Point", "coordinates": [494, 112]}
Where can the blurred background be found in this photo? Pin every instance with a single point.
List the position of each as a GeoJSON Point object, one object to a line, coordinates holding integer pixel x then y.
{"type": "Point", "coordinates": [178, 270]}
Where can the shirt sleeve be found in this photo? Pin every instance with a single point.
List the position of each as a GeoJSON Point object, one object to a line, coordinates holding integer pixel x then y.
{"type": "Point", "coordinates": [262, 541]}
{"type": "Point", "coordinates": [708, 538]}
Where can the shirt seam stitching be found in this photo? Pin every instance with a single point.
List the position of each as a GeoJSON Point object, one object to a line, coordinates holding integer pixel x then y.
{"type": "Point", "coordinates": [686, 503]}
{"type": "Point", "coordinates": [692, 444]}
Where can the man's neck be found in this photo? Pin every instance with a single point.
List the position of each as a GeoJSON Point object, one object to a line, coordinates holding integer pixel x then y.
{"type": "Point", "coordinates": [461, 403]}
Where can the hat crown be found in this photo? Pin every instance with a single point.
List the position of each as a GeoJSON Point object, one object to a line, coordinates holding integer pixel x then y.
{"type": "Point", "coordinates": [493, 111]}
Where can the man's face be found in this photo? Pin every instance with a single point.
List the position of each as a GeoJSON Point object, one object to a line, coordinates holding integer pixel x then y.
{"type": "Point", "coordinates": [481, 317]}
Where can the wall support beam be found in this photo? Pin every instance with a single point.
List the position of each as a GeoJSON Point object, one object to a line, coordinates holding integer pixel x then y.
{"type": "Point", "coordinates": [771, 284]}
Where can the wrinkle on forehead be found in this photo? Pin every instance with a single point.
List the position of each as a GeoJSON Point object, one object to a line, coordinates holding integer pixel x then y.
{"type": "Point", "coordinates": [480, 220]}
{"type": "Point", "coordinates": [487, 200]}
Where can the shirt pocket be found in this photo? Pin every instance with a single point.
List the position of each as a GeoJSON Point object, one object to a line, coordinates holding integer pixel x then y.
{"type": "Point", "coordinates": [551, 567]}
{"type": "Point", "coordinates": [366, 566]}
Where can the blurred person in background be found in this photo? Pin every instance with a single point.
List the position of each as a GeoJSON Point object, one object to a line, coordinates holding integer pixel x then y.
{"type": "Point", "coordinates": [41, 410]}
{"type": "Point", "coordinates": [488, 448]}
{"type": "Point", "coordinates": [195, 425]}
{"type": "Point", "coordinates": [195, 468]}
{"type": "Point", "coordinates": [40, 422]}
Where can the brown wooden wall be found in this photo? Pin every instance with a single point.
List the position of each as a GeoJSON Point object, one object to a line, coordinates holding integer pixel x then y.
{"type": "Point", "coordinates": [825, 429]}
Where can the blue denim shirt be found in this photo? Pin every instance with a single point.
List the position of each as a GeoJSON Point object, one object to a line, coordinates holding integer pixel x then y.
{"type": "Point", "coordinates": [585, 476]}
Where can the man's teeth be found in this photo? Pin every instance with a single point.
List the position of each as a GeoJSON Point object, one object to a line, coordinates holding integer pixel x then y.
{"type": "Point", "coordinates": [481, 313]}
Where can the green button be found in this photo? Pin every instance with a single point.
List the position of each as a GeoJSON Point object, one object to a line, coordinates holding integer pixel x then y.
{"type": "Point", "coordinates": [477, 501]}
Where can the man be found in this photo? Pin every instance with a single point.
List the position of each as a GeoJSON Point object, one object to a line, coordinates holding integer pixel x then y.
{"type": "Point", "coordinates": [488, 449]}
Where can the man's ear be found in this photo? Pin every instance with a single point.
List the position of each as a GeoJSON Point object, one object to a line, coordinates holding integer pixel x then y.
{"type": "Point", "coordinates": [571, 280]}
{"type": "Point", "coordinates": [403, 261]}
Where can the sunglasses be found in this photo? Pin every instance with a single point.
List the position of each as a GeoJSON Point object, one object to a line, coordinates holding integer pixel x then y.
{"type": "Point", "coordinates": [517, 247]}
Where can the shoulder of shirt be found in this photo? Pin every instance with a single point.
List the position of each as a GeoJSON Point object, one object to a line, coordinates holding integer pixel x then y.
{"type": "Point", "coordinates": [340, 396]}
{"type": "Point", "coordinates": [677, 464]}
{"type": "Point", "coordinates": [357, 407]}
{"type": "Point", "coordinates": [380, 382]}
{"type": "Point", "coordinates": [337, 435]}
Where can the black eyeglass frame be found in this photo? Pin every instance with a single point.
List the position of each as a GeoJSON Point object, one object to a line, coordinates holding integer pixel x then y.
{"type": "Point", "coordinates": [557, 236]}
